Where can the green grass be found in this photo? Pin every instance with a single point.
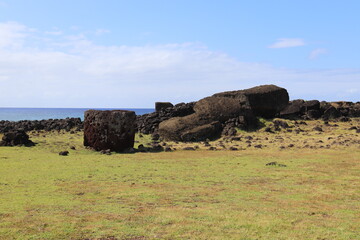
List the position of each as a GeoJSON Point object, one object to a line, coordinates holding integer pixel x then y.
{"type": "Point", "coordinates": [177, 195]}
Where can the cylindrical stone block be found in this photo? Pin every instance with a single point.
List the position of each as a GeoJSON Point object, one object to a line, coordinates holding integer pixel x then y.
{"type": "Point", "coordinates": [112, 129]}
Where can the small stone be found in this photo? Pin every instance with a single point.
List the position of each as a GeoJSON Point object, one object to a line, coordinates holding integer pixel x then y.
{"type": "Point", "coordinates": [189, 149]}
{"type": "Point", "coordinates": [317, 128]}
{"type": "Point", "coordinates": [271, 164]}
{"type": "Point", "coordinates": [64, 153]}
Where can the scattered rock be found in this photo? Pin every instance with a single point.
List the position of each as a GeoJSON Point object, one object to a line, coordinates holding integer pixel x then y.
{"type": "Point", "coordinates": [64, 153]}
{"type": "Point", "coordinates": [271, 164]}
{"type": "Point", "coordinates": [189, 149]}
{"type": "Point", "coordinates": [168, 149]}
{"type": "Point", "coordinates": [106, 152]}
{"type": "Point", "coordinates": [317, 128]}
{"type": "Point", "coordinates": [16, 138]}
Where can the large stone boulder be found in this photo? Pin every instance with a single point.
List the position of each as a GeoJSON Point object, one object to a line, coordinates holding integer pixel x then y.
{"type": "Point", "coordinates": [300, 109]}
{"type": "Point", "coordinates": [16, 138]}
{"type": "Point", "coordinates": [265, 101]}
{"type": "Point", "coordinates": [162, 105]}
{"type": "Point", "coordinates": [114, 130]}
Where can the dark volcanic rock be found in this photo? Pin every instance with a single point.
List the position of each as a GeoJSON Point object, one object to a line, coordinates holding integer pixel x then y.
{"type": "Point", "coordinates": [222, 108]}
{"type": "Point", "coordinates": [299, 108]}
{"type": "Point", "coordinates": [189, 128]}
{"type": "Point", "coordinates": [331, 113]}
{"type": "Point", "coordinates": [16, 138]}
{"type": "Point", "coordinates": [149, 123]}
{"type": "Point", "coordinates": [162, 105]}
{"type": "Point", "coordinates": [114, 130]}
{"type": "Point", "coordinates": [206, 122]}
{"type": "Point", "coordinates": [48, 125]}
{"type": "Point", "coordinates": [64, 153]}
{"type": "Point", "coordinates": [226, 111]}
{"type": "Point", "coordinates": [265, 101]}
{"type": "Point", "coordinates": [293, 110]}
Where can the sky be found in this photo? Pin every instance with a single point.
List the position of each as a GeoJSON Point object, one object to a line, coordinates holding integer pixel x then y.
{"type": "Point", "coordinates": [130, 54]}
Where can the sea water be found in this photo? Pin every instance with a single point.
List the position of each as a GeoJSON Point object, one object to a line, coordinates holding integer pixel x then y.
{"type": "Point", "coordinates": [17, 114]}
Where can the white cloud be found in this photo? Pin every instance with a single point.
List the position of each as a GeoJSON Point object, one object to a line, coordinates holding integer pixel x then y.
{"type": "Point", "coordinates": [72, 71]}
{"type": "Point", "coordinates": [317, 52]}
{"type": "Point", "coordinates": [287, 43]}
{"type": "Point", "coordinates": [101, 31]}
{"type": "Point", "coordinates": [55, 33]}
{"type": "Point", "coordinates": [12, 34]}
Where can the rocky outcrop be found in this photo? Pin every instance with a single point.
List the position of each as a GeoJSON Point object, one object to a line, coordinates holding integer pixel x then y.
{"type": "Point", "coordinates": [47, 125]}
{"type": "Point", "coordinates": [301, 109]}
{"type": "Point", "coordinates": [114, 130]}
{"type": "Point", "coordinates": [16, 138]}
{"type": "Point", "coordinates": [265, 101]}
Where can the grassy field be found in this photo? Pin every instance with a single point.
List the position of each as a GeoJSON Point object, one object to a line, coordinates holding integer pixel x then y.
{"type": "Point", "coordinates": [202, 194]}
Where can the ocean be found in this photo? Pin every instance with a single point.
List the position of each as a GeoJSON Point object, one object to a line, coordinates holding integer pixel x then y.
{"type": "Point", "coordinates": [17, 114]}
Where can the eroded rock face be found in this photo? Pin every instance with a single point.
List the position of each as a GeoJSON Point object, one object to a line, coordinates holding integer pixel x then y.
{"type": "Point", "coordinates": [16, 138]}
{"type": "Point", "coordinates": [114, 130]}
{"type": "Point", "coordinates": [265, 101]}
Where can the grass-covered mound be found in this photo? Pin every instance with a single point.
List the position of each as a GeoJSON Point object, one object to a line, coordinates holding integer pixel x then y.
{"type": "Point", "coordinates": [311, 193]}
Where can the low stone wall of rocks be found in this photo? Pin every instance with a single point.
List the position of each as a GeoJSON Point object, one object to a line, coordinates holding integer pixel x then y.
{"type": "Point", "coordinates": [314, 109]}
{"type": "Point", "coordinates": [47, 125]}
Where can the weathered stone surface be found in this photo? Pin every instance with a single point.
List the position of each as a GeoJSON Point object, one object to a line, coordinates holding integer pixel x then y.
{"type": "Point", "coordinates": [222, 108]}
{"type": "Point", "coordinates": [114, 130]}
{"type": "Point", "coordinates": [174, 128]}
{"type": "Point", "coordinates": [16, 138]}
{"type": "Point", "coordinates": [331, 113]}
{"type": "Point", "coordinates": [212, 114]}
{"type": "Point", "coordinates": [207, 121]}
{"type": "Point", "coordinates": [149, 123]}
{"type": "Point", "coordinates": [299, 108]}
{"type": "Point", "coordinates": [265, 101]}
{"type": "Point", "coordinates": [162, 105]}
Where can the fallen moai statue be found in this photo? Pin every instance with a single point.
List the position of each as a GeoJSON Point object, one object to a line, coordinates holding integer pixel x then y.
{"type": "Point", "coordinates": [213, 112]}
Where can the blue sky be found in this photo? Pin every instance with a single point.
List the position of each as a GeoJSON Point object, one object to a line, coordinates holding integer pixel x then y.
{"type": "Point", "coordinates": [133, 53]}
